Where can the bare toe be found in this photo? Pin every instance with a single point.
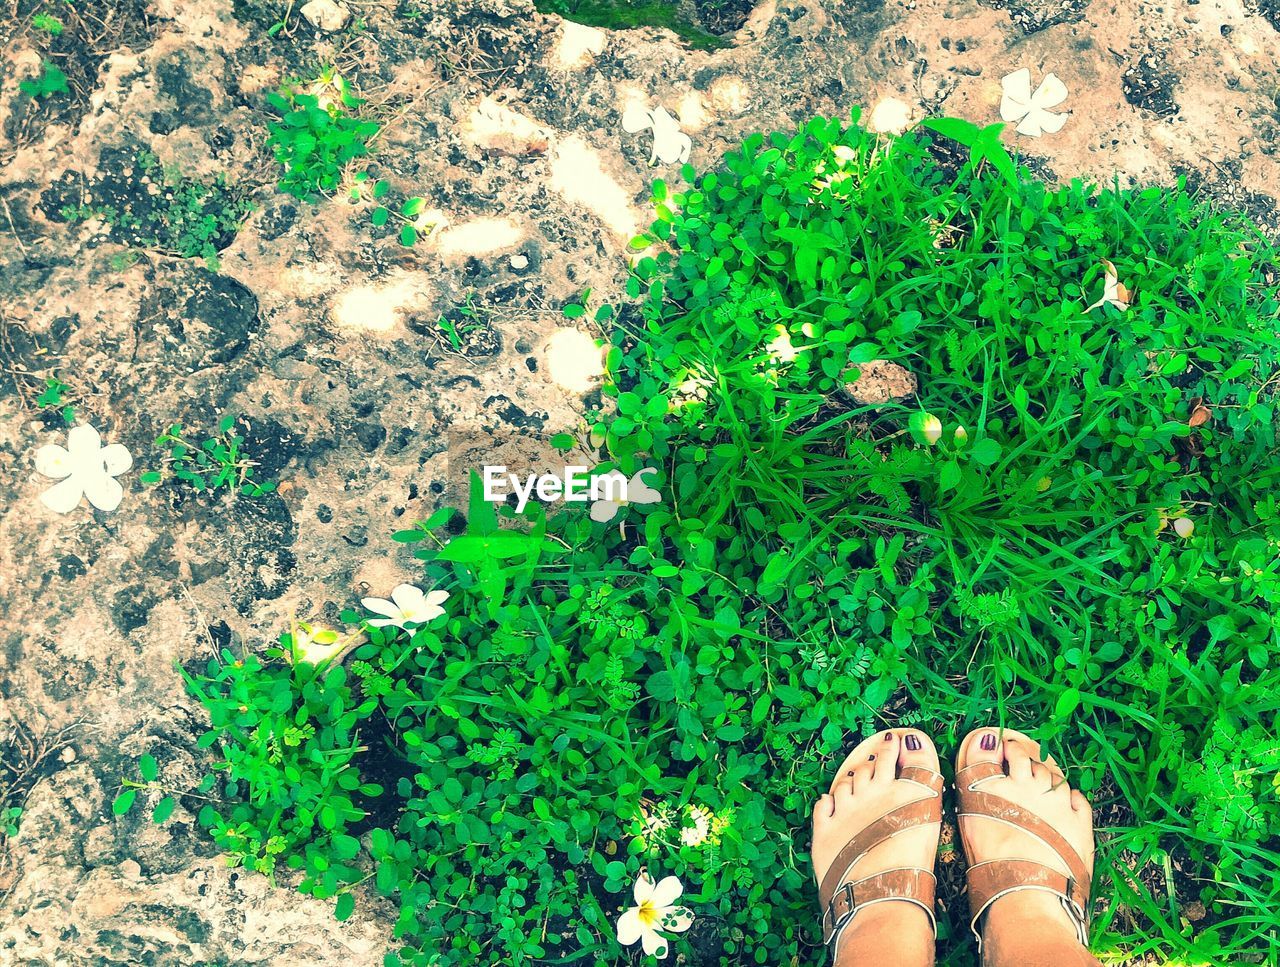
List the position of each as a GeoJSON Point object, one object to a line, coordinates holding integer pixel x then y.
{"type": "Point", "coordinates": [917, 750]}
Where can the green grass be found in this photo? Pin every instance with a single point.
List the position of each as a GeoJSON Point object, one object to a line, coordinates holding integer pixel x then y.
{"type": "Point", "coordinates": [627, 14]}
{"type": "Point", "coordinates": [816, 570]}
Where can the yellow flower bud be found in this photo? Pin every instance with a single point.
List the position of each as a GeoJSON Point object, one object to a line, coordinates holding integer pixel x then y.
{"type": "Point", "coordinates": [1184, 527]}
{"type": "Point", "coordinates": [931, 430]}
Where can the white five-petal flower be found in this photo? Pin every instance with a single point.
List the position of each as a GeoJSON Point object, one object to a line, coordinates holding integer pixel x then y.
{"type": "Point", "coordinates": [654, 910]}
{"type": "Point", "coordinates": [670, 144]}
{"type": "Point", "coordinates": [1031, 110]}
{"type": "Point", "coordinates": [408, 605]}
{"type": "Point", "coordinates": [636, 490]}
{"type": "Point", "coordinates": [86, 469]}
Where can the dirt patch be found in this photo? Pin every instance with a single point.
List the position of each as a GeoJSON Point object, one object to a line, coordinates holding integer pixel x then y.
{"type": "Point", "coordinates": [1031, 16]}
{"type": "Point", "coordinates": [89, 32]}
{"type": "Point", "coordinates": [1149, 84]}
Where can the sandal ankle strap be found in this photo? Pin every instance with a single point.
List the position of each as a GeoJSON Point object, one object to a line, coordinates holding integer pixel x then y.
{"type": "Point", "coordinates": [907, 883]}
{"type": "Point", "coordinates": [1002, 877]}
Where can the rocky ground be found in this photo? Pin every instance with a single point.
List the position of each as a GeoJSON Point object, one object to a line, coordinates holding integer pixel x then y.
{"type": "Point", "coordinates": [323, 333]}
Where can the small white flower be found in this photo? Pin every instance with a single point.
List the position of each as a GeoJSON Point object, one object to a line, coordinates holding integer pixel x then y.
{"type": "Point", "coordinates": [654, 911]}
{"type": "Point", "coordinates": [1113, 293]}
{"type": "Point", "coordinates": [670, 144]}
{"type": "Point", "coordinates": [637, 491]}
{"type": "Point", "coordinates": [697, 834]}
{"type": "Point", "coordinates": [1031, 110]}
{"type": "Point", "coordinates": [1184, 527]}
{"type": "Point", "coordinates": [408, 605]}
{"type": "Point", "coordinates": [86, 469]}
{"type": "Point", "coordinates": [889, 116]}
{"type": "Point", "coordinates": [780, 347]}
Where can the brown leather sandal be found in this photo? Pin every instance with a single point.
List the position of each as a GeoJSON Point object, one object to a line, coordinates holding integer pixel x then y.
{"type": "Point", "coordinates": [840, 901]}
{"type": "Point", "coordinates": [991, 879]}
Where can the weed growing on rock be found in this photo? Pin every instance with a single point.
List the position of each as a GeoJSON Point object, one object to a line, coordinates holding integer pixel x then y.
{"type": "Point", "coordinates": [316, 135]}
{"type": "Point", "coordinates": [51, 80]}
{"type": "Point", "coordinates": [53, 399]}
{"type": "Point", "coordinates": [286, 733]}
{"type": "Point", "coordinates": [177, 215]}
{"type": "Point", "coordinates": [216, 463]}
{"type": "Point", "coordinates": [460, 323]}
{"type": "Point", "coordinates": [1001, 547]}
{"type": "Point", "coordinates": [47, 23]}
{"type": "Point", "coordinates": [410, 215]}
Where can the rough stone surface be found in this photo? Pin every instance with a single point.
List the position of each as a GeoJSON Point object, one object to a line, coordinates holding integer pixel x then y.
{"type": "Point", "coordinates": [324, 333]}
{"type": "Point", "coordinates": [326, 14]}
{"type": "Point", "coordinates": [879, 381]}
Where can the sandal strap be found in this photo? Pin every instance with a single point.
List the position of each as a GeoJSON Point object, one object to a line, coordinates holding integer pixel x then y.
{"type": "Point", "coordinates": [904, 883]}
{"type": "Point", "coordinates": [840, 901]}
{"type": "Point", "coordinates": [991, 879]}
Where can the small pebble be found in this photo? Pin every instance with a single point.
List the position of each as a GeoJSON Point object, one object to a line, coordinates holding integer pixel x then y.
{"type": "Point", "coordinates": [519, 261]}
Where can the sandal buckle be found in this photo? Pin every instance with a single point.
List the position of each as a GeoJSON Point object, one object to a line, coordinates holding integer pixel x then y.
{"type": "Point", "coordinates": [839, 911]}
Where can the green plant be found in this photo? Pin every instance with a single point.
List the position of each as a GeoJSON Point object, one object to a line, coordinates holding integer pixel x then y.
{"type": "Point", "coordinates": [53, 397]}
{"type": "Point", "coordinates": [217, 462]}
{"type": "Point", "coordinates": [9, 821]}
{"type": "Point", "coordinates": [120, 261]}
{"type": "Point", "coordinates": [1069, 526]}
{"type": "Point", "coordinates": [465, 319]}
{"type": "Point", "coordinates": [316, 137]}
{"type": "Point", "coordinates": [179, 215]}
{"type": "Point", "coordinates": [627, 14]}
{"type": "Point", "coordinates": [48, 24]}
{"type": "Point", "coordinates": [411, 216]}
{"type": "Point", "coordinates": [51, 80]}
{"type": "Point", "coordinates": [285, 789]}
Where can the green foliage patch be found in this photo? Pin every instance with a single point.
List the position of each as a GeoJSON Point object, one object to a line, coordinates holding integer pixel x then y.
{"type": "Point", "coordinates": [51, 80]}
{"type": "Point", "coordinates": [54, 398]}
{"type": "Point", "coordinates": [627, 14]}
{"type": "Point", "coordinates": [318, 133]}
{"type": "Point", "coordinates": [1070, 528]}
{"type": "Point", "coordinates": [172, 213]}
{"type": "Point", "coordinates": [218, 462]}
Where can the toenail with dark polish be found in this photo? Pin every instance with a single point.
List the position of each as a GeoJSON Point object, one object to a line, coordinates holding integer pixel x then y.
{"type": "Point", "coordinates": [988, 742]}
{"type": "Point", "coordinates": [913, 743]}
{"type": "Point", "coordinates": [888, 736]}
{"type": "Point", "coordinates": [872, 757]}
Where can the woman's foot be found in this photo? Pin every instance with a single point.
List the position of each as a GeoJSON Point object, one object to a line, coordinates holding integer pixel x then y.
{"type": "Point", "coordinates": [868, 786]}
{"type": "Point", "coordinates": [1017, 774]}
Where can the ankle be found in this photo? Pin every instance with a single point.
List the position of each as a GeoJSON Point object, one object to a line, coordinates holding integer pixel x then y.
{"type": "Point", "coordinates": [1015, 916]}
{"type": "Point", "coordinates": [893, 925]}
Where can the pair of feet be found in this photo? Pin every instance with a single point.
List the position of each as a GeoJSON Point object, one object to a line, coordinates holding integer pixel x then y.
{"type": "Point", "coordinates": [870, 784]}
